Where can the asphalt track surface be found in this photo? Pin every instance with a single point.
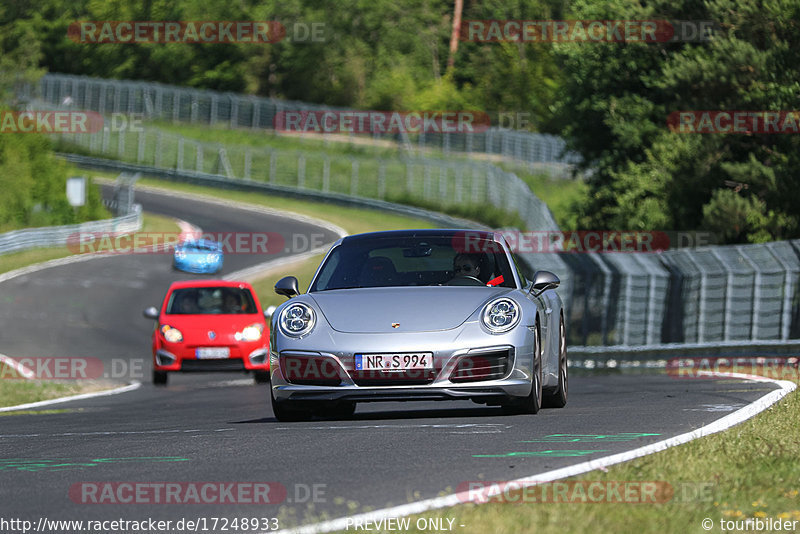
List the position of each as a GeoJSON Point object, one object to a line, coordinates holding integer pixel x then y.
{"type": "Point", "coordinates": [220, 428]}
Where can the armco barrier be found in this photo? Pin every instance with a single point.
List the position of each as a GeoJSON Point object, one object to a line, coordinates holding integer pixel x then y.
{"type": "Point", "coordinates": [53, 236]}
{"type": "Point", "coordinates": [537, 152]}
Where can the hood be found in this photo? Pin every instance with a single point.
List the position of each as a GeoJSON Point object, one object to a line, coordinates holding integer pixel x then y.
{"type": "Point", "coordinates": [416, 309]}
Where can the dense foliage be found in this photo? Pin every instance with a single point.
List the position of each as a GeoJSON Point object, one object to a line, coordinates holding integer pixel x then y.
{"type": "Point", "coordinates": [616, 100]}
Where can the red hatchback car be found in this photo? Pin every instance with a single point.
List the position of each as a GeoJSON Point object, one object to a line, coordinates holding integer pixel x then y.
{"type": "Point", "coordinates": [209, 326]}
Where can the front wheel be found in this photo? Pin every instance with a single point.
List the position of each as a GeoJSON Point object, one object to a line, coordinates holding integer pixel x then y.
{"type": "Point", "coordinates": [160, 378]}
{"type": "Point", "coordinates": [558, 397]}
{"type": "Point", "coordinates": [533, 402]}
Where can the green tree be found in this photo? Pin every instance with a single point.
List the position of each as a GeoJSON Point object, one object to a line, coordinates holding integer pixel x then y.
{"type": "Point", "coordinates": [617, 97]}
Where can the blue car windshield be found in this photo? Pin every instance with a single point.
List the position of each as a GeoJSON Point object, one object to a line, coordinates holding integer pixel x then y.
{"type": "Point", "coordinates": [413, 261]}
{"type": "Point", "coordinates": [192, 246]}
{"type": "Point", "coordinates": [211, 301]}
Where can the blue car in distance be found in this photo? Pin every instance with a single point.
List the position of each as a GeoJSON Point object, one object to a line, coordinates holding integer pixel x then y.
{"type": "Point", "coordinates": [198, 256]}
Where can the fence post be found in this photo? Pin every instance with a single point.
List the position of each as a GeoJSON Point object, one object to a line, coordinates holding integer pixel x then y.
{"type": "Point", "coordinates": [212, 116]}
{"type": "Point", "coordinates": [426, 188]}
{"type": "Point", "coordinates": [157, 155]}
{"type": "Point", "coordinates": [176, 106]}
{"type": "Point", "coordinates": [234, 112]}
{"type": "Point", "coordinates": [255, 117]}
{"type": "Point", "coordinates": [354, 177]}
{"type": "Point", "coordinates": [198, 167]}
{"type": "Point", "coordinates": [409, 178]}
{"type": "Point", "coordinates": [140, 148]}
{"type": "Point", "coordinates": [273, 164]}
{"type": "Point", "coordinates": [326, 174]}
{"type": "Point", "coordinates": [248, 161]}
{"type": "Point", "coordinates": [443, 182]}
{"type": "Point", "coordinates": [459, 184]}
{"type": "Point", "coordinates": [382, 180]}
{"type": "Point", "coordinates": [301, 170]}
{"type": "Point", "coordinates": [195, 106]}
{"type": "Point", "coordinates": [121, 145]}
{"type": "Point", "coordinates": [179, 162]}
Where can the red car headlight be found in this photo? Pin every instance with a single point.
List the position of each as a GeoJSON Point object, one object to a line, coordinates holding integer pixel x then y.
{"type": "Point", "coordinates": [250, 333]}
{"type": "Point", "coordinates": [173, 335]}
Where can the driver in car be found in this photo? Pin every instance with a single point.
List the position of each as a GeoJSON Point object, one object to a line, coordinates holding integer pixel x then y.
{"type": "Point", "coordinates": [466, 265]}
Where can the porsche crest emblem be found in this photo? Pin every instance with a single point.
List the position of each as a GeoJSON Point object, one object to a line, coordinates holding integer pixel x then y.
{"type": "Point", "coordinates": [395, 325]}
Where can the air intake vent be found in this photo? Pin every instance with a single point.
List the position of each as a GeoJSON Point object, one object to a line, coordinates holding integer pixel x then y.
{"type": "Point", "coordinates": [481, 366]}
{"type": "Point", "coordinates": [311, 370]}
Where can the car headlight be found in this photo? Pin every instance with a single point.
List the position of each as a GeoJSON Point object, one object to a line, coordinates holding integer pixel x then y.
{"type": "Point", "coordinates": [173, 335]}
{"type": "Point", "coordinates": [501, 315]}
{"type": "Point", "coordinates": [180, 255]}
{"type": "Point", "coordinates": [210, 258]}
{"type": "Point", "coordinates": [250, 333]}
{"type": "Point", "coordinates": [297, 320]}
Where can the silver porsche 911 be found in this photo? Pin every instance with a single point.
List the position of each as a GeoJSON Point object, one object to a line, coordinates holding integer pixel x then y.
{"type": "Point", "coordinates": [418, 315]}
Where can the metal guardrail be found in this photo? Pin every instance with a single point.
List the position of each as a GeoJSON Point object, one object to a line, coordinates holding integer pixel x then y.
{"type": "Point", "coordinates": [53, 236]}
{"type": "Point", "coordinates": [749, 355]}
{"type": "Point", "coordinates": [425, 181]}
{"type": "Point", "coordinates": [538, 153]}
{"type": "Point", "coordinates": [213, 180]}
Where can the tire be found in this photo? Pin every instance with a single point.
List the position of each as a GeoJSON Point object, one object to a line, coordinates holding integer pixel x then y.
{"type": "Point", "coordinates": [160, 378]}
{"type": "Point", "coordinates": [288, 412]}
{"type": "Point", "coordinates": [533, 402]}
{"type": "Point", "coordinates": [261, 377]}
{"type": "Point", "coordinates": [558, 397]}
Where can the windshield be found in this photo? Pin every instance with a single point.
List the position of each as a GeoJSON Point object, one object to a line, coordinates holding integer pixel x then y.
{"type": "Point", "coordinates": [412, 261]}
{"type": "Point", "coordinates": [201, 246]}
{"type": "Point", "coordinates": [211, 301]}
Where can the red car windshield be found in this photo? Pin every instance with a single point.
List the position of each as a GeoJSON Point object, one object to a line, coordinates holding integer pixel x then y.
{"type": "Point", "coordinates": [211, 301]}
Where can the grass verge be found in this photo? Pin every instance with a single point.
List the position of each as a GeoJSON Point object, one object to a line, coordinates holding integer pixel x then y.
{"type": "Point", "coordinates": [353, 220]}
{"type": "Point", "coordinates": [24, 258]}
{"type": "Point", "coordinates": [15, 390]}
{"type": "Point", "coordinates": [560, 195]}
{"type": "Point", "coordinates": [302, 270]}
{"type": "Point", "coordinates": [747, 472]}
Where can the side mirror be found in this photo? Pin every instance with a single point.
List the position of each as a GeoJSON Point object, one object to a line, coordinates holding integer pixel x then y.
{"type": "Point", "coordinates": [270, 311]}
{"type": "Point", "coordinates": [151, 313]}
{"type": "Point", "coordinates": [544, 280]}
{"type": "Point", "coordinates": [287, 286]}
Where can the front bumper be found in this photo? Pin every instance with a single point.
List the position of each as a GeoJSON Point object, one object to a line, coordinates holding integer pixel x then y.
{"type": "Point", "coordinates": [184, 360]}
{"type": "Point", "coordinates": [340, 381]}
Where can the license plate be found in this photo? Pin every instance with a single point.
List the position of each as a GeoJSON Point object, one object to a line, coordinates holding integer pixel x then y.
{"type": "Point", "coordinates": [394, 362]}
{"type": "Point", "coordinates": [212, 353]}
